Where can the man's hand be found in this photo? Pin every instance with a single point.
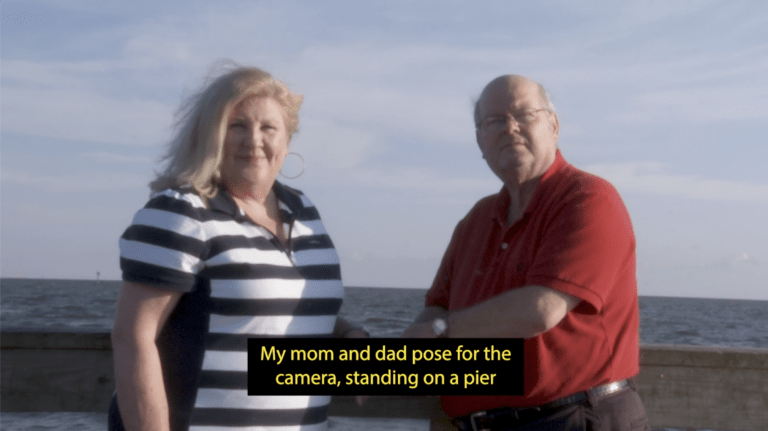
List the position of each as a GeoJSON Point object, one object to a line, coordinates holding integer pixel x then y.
{"type": "Point", "coordinates": [419, 330]}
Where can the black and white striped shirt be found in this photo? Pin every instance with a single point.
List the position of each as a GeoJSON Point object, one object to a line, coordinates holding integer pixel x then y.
{"type": "Point", "coordinates": [240, 282]}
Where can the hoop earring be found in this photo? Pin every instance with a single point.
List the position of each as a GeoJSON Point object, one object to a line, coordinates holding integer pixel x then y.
{"type": "Point", "coordinates": [300, 172]}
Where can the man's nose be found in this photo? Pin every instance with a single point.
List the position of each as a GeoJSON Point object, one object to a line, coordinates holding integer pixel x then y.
{"type": "Point", "coordinates": [511, 124]}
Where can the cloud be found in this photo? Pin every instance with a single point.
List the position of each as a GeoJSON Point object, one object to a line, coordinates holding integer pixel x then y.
{"type": "Point", "coordinates": [84, 116]}
{"type": "Point", "coordinates": [643, 13]}
{"type": "Point", "coordinates": [414, 182]}
{"type": "Point", "coordinates": [368, 60]}
{"type": "Point", "coordinates": [25, 73]}
{"type": "Point", "coordinates": [653, 178]}
{"type": "Point", "coordinates": [392, 113]}
{"type": "Point", "coordinates": [697, 105]}
{"type": "Point", "coordinates": [745, 259]}
{"type": "Point", "coordinates": [732, 276]}
{"type": "Point", "coordinates": [68, 183]}
{"type": "Point", "coordinates": [117, 158]}
{"type": "Point", "coordinates": [326, 143]}
{"type": "Point", "coordinates": [386, 127]}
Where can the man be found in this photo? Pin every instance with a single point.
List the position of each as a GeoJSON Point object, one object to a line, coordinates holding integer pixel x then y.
{"type": "Point", "coordinates": [551, 259]}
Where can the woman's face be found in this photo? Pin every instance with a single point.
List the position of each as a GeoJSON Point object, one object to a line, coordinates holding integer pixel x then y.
{"type": "Point", "coordinates": [255, 145]}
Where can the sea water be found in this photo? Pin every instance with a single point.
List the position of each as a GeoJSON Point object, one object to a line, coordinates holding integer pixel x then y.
{"type": "Point", "coordinates": [386, 312]}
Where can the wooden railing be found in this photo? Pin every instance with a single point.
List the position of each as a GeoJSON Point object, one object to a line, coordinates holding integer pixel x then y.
{"type": "Point", "coordinates": [681, 386]}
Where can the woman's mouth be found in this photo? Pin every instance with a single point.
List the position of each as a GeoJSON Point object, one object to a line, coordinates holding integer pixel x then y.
{"type": "Point", "coordinates": [249, 157]}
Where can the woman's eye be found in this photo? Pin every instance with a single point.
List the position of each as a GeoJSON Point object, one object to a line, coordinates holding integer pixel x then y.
{"type": "Point", "coordinates": [236, 124]}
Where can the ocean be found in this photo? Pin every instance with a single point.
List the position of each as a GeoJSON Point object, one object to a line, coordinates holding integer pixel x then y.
{"type": "Point", "coordinates": [385, 312]}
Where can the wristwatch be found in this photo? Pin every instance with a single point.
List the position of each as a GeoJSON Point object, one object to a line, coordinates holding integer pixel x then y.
{"type": "Point", "coordinates": [440, 326]}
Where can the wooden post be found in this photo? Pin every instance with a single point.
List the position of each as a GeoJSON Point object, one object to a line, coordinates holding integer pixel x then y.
{"type": "Point", "coordinates": [705, 387]}
{"type": "Point", "coordinates": [56, 371]}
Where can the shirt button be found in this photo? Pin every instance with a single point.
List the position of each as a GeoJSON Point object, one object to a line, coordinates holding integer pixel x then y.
{"type": "Point", "coordinates": [504, 246]}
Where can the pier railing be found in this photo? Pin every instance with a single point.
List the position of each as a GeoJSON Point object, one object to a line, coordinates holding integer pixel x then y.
{"type": "Point", "coordinates": [681, 386]}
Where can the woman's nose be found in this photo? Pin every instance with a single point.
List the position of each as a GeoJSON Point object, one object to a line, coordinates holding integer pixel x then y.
{"type": "Point", "coordinates": [254, 138]}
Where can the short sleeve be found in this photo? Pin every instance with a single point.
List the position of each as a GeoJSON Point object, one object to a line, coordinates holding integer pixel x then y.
{"type": "Point", "coordinates": [165, 245]}
{"type": "Point", "coordinates": [588, 246]}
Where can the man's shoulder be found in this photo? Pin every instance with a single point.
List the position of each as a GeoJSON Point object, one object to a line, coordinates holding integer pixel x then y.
{"type": "Point", "coordinates": [584, 191]}
{"type": "Point", "coordinates": [486, 204]}
{"type": "Point", "coordinates": [574, 181]}
{"type": "Point", "coordinates": [482, 212]}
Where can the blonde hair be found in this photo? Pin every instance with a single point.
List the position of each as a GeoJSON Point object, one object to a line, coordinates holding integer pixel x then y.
{"type": "Point", "coordinates": [196, 150]}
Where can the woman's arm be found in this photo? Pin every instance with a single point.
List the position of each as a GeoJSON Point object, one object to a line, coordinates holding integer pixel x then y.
{"type": "Point", "coordinates": [142, 310]}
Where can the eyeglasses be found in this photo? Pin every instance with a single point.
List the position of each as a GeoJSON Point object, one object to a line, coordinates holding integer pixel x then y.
{"type": "Point", "coordinates": [500, 121]}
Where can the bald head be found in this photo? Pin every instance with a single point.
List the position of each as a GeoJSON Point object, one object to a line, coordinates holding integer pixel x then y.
{"type": "Point", "coordinates": [508, 83]}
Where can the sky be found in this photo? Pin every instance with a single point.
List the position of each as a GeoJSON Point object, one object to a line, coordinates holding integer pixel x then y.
{"type": "Point", "coordinates": [666, 99]}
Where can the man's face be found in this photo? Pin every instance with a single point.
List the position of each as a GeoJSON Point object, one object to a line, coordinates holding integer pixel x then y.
{"type": "Point", "coordinates": [517, 133]}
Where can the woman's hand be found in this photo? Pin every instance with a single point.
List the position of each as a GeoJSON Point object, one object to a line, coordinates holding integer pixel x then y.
{"type": "Point", "coordinates": [344, 329]}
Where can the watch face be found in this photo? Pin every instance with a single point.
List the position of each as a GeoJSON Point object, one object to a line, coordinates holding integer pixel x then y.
{"type": "Point", "coordinates": [439, 325]}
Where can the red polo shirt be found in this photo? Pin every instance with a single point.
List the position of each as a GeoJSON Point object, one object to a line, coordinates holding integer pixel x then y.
{"type": "Point", "coordinates": [576, 237]}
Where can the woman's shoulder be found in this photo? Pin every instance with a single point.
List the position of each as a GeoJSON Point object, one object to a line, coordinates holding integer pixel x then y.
{"type": "Point", "coordinates": [178, 200]}
{"type": "Point", "coordinates": [294, 198]}
{"type": "Point", "coordinates": [178, 195]}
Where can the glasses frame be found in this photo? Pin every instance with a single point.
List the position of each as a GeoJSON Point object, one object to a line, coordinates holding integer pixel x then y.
{"type": "Point", "coordinates": [516, 118]}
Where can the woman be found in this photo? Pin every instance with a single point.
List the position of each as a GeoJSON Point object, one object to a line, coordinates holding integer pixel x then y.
{"type": "Point", "coordinates": [222, 252]}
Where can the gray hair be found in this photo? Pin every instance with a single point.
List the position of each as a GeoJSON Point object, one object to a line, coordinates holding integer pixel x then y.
{"type": "Point", "coordinates": [196, 150]}
{"type": "Point", "coordinates": [509, 78]}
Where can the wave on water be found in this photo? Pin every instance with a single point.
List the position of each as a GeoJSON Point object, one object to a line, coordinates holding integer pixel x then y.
{"type": "Point", "coordinates": [386, 312]}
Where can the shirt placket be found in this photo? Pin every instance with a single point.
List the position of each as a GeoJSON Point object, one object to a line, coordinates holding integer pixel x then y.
{"type": "Point", "coordinates": [290, 220]}
{"type": "Point", "coordinates": [503, 246]}
{"type": "Point", "coordinates": [287, 226]}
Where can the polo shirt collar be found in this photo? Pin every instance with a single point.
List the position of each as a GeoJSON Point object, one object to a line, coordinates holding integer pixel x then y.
{"type": "Point", "coordinates": [501, 209]}
{"type": "Point", "coordinates": [223, 202]}
{"type": "Point", "coordinates": [289, 200]}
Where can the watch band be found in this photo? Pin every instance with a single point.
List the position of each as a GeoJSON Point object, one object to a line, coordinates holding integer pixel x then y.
{"type": "Point", "coordinates": [440, 327]}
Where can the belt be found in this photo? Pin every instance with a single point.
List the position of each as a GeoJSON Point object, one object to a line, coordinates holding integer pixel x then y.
{"type": "Point", "coordinates": [483, 420]}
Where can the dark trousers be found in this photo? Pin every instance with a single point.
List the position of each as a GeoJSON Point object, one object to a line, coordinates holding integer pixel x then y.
{"type": "Point", "coordinates": [114, 421]}
{"type": "Point", "coordinates": [623, 411]}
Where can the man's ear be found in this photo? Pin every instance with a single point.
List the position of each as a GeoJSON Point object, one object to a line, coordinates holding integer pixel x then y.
{"type": "Point", "coordinates": [479, 145]}
{"type": "Point", "coordinates": [555, 124]}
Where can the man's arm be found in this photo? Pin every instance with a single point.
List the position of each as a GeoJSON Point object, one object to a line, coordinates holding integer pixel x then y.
{"type": "Point", "coordinates": [519, 313]}
{"type": "Point", "coordinates": [422, 326]}
{"type": "Point", "coordinates": [431, 313]}
{"type": "Point", "coordinates": [142, 311]}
